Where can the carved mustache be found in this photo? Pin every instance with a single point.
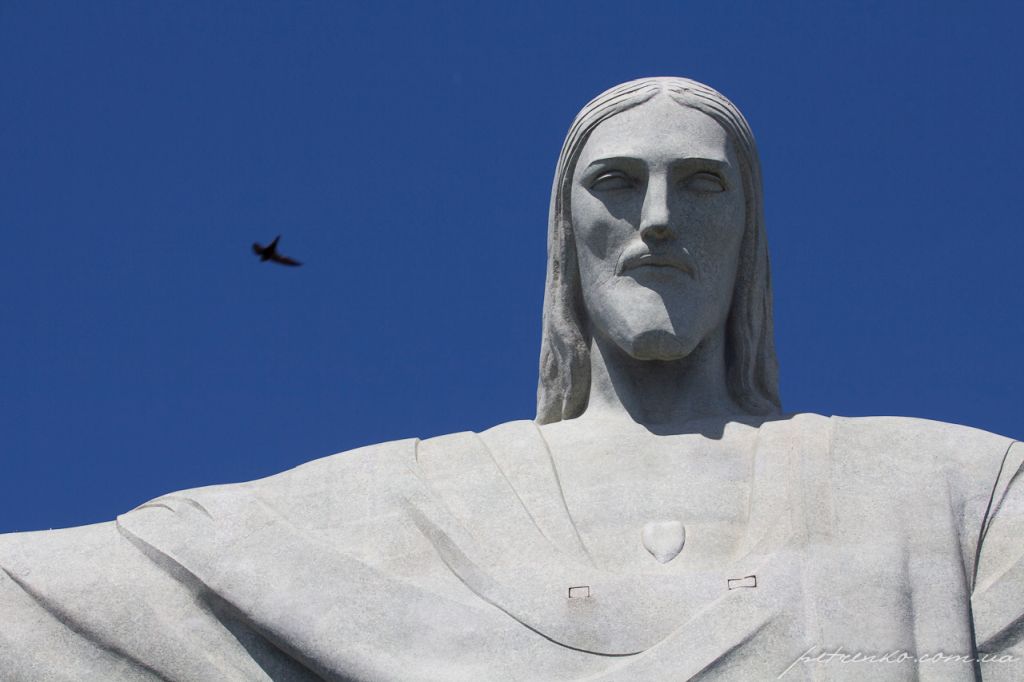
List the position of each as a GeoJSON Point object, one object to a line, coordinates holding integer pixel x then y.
{"type": "Point", "coordinates": [641, 256]}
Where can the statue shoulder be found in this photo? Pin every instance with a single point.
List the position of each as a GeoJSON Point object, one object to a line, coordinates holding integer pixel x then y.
{"type": "Point", "coordinates": [343, 487]}
{"type": "Point", "coordinates": [373, 465]}
{"type": "Point", "coordinates": [52, 549]}
{"type": "Point", "coordinates": [925, 442]}
{"type": "Point", "coordinates": [905, 454]}
{"type": "Point", "coordinates": [383, 466]}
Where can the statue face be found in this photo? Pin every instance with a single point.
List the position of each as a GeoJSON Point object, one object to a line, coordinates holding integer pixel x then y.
{"type": "Point", "coordinates": [658, 213]}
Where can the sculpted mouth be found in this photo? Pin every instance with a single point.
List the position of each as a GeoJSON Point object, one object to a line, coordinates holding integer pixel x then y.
{"type": "Point", "coordinates": [658, 261]}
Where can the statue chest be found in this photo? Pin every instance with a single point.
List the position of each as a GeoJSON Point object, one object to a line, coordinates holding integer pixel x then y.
{"type": "Point", "coordinates": [658, 509]}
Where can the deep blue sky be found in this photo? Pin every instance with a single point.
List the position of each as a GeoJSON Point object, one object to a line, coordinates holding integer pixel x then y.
{"type": "Point", "coordinates": [405, 152]}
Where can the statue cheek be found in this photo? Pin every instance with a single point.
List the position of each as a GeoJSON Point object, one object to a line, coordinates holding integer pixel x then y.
{"type": "Point", "coordinates": [715, 242]}
{"type": "Point", "coordinates": [601, 236]}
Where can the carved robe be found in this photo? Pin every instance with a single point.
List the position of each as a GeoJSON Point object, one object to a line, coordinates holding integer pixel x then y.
{"type": "Point", "coordinates": [453, 559]}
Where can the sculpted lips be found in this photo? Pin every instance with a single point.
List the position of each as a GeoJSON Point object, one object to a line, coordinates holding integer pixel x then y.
{"type": "Point", "coordinates": [682, 261]}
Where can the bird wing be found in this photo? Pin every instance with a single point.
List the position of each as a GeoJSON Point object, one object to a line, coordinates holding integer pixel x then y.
{"type": "Point", "coordinates": [257, 249]}
{"type": "Point", "coordinates": [284, 260]}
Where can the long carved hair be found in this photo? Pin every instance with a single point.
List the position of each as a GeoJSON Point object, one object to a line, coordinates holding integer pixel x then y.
{"type": "Point", "coordinates": [752, 368]}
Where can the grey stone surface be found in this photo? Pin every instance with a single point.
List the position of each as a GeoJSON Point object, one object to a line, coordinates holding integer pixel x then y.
{"type": "Point", "coordinates": [662, 519]}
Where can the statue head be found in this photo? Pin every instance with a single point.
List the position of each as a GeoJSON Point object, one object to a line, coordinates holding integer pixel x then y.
{"type": "Point", "coordinates": [715, 279]}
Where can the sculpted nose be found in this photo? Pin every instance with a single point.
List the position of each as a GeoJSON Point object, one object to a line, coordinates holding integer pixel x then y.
{"type": "Point", "coordinates": [655, 221]}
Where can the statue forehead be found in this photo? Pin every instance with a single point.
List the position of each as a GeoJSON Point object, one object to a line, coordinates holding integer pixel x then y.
{"type": "Point", "coordinates": [660, 127]}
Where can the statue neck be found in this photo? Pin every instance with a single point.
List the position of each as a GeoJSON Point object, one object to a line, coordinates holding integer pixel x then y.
{"type": "Point", "coordinates": [662, 394]}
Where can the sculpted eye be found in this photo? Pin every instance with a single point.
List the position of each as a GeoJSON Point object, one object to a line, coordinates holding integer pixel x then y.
{"type": "Point", "coordinates": [612, 180]}
{"type": "Point", "coordinates": [705, 183]}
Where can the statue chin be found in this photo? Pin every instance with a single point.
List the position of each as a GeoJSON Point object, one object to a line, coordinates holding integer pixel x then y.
{"type": "Point", "coordinates": [659, 344]}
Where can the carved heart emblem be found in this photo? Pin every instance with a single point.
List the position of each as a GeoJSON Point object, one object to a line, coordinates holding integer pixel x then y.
{"type": "Point", "coordinates": [664, 539]}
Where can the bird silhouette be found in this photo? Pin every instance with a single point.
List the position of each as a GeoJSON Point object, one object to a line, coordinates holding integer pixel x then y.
{"type": "Point", "coordinates": [269, 252]}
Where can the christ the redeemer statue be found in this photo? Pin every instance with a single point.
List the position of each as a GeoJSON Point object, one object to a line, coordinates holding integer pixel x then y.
{"type": "Point", "coordinates": [661, 519]}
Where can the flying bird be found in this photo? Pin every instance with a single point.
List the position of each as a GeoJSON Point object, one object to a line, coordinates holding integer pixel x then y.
{"type": "Point", "coordinates": [269, 252]}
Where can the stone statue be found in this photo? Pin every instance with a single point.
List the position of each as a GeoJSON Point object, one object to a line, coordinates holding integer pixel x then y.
{"type": "Point", "coordinates": [661, 519]}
